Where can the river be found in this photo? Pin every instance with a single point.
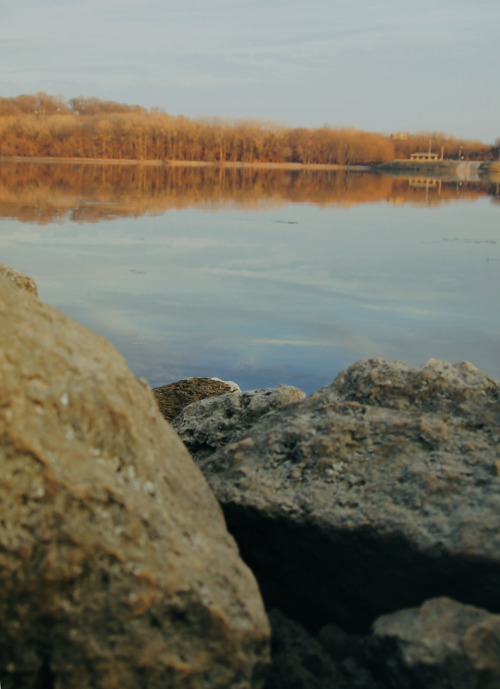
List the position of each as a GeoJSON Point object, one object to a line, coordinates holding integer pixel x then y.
{"type": "Point", "coordinates": [260, 276]}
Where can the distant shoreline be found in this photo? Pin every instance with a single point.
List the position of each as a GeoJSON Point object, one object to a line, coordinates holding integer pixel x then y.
{"type": "Point", "coordinates": [184, 163]}
{"type": "Point", "coordinates": [441, 169]}
{"type": "Point", "coordinates": [437, 168]}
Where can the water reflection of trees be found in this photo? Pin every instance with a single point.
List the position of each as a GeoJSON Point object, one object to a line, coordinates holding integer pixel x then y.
{"type": "Point", "coordinates": [43, 192]}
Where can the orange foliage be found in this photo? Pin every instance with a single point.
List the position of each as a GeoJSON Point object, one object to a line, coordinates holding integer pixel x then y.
{"type": "Point", "coordinates": [44, 126]}
{"type": "Point", "coordinates": [41, 125]}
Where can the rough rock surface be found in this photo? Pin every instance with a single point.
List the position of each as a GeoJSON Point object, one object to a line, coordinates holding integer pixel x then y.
{"type": "Point", "coordinates": [213, 422]}
{"type": "Point", "coordinates": [371, 495]}
{"type": "Point", "coordinates": [299, 661]}
{"type": "Point", "coordinates": [441, 645]}
{"type": "Point", "coordinates": [172, 398]}
{"type": "Point", "coordinates": [20, 279]}
{"type": "Point", "coordinates": [116, 569]}
{"type": "Point", "coordinates": [341, 645]}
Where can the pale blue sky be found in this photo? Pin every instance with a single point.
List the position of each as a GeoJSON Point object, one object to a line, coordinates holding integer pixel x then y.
{"type": "Point", "coordinates": [380, 66]}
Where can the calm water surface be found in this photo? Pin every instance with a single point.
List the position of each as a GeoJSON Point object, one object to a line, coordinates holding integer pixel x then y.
{"type": "Point", "coordinates": [256, 277]}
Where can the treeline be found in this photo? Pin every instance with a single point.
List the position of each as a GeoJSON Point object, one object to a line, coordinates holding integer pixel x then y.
{"type": "Point", "coordinates": [405, 144]}
{"type": "Point", "coordinates": [41, 125]}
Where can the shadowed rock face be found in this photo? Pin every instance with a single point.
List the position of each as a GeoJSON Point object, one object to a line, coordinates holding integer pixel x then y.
{"type": "Point", "coordinates": [439, 645]}
{"type": "Point", "coordinates": [299, 662]}
{"type": "Point", "coordinates": [371, 495]}
{"type": "Point", "coordinates": [333, 660]}
{"type": "Point", "coordinates": [116, 569]}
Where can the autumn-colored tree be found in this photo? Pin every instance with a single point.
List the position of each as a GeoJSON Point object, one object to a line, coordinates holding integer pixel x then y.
{"type": "Point", "coordinates": [44, 125]}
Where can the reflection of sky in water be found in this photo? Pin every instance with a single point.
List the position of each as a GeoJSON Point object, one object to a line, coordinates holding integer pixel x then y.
{"type": "Point", "coordinates": [290, 295]}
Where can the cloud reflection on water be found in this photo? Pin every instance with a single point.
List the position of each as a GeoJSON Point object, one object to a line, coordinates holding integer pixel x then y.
{"type": "Point", "coordinates": [267, 296]}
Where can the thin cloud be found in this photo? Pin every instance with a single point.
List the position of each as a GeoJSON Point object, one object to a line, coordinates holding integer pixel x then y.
{"type": "Point", "coordinates": [303, 63]}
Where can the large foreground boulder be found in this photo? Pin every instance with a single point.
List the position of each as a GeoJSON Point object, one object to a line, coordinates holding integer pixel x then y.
{"type": "Point", "coordinates": [373, 494]}
{"type": "Point", "coordinates": [116, 568]}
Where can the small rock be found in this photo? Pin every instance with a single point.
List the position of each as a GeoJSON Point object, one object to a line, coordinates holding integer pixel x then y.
{"type": "Point", "coordinates": [172, 398]}
{"type": "Point", "coordinates": [234, 386]}
{"type": "Point", "coordinates": [213, 422]}
{"type": "Point", "coordinates": [441, 645]}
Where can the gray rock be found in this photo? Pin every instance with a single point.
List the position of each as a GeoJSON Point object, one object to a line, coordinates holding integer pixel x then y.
{"type": "Point", "coordinates": [174, 397]}
{"type": "Point", "coordinates": [374, 494]}
{"type": "Point", "coordinates": [441, 645]}
{"type": "Point", "coordinates": [116, 568]}
{"type": "Point", "coordinates": [213, 422]}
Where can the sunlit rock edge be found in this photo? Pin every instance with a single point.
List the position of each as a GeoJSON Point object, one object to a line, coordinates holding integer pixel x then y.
{"type": "Point", "coordinates": [116, 567]}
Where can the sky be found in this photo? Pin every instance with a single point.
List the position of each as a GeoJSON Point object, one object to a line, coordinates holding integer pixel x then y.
{"type": "Point", "coordinates": [378, 66]}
